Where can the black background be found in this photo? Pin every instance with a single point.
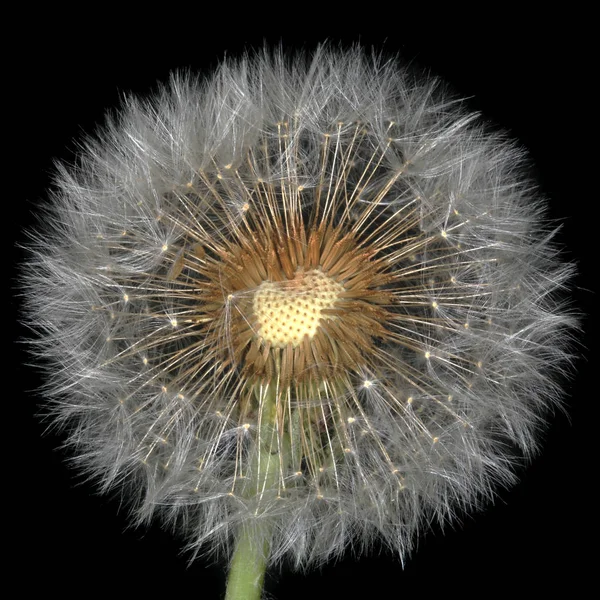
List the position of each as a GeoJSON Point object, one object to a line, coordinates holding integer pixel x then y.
{"type": "Point", "coordinates": [529, 77]}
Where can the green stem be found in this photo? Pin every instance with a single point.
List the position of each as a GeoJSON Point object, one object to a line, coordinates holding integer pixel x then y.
{"type": "Point", "coordinates": [247, 570]}
{"type": "Point", "coordinates": [249, 561]}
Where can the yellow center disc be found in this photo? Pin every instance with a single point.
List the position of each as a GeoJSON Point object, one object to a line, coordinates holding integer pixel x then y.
{"type": "Point", "coordinates": [286, 311]}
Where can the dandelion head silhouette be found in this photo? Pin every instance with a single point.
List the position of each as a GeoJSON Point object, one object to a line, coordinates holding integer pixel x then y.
{"type": "Point", "coordinates": [313, 298]}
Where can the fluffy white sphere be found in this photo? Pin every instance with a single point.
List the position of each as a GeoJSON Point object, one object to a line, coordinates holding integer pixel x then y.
{"type": "Point", "coordinates": [328, 263]}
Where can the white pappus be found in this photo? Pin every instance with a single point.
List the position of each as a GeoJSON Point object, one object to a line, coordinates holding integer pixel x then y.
{"type": "Point", "coordinates": [314, 297]}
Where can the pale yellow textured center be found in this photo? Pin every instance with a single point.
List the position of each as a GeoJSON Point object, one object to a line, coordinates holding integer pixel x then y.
{"type": "Point", "coordinates": [286, 311]}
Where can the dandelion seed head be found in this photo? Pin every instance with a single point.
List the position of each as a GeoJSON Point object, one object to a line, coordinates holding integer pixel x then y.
{"type": "Point", "coordinates": [326, 269]}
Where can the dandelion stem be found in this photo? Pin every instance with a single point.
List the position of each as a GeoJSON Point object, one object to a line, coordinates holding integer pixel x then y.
{"type": "Point", "coordinates": [249, 562]}
{"type": "Point", "coordinates": [247, 570]}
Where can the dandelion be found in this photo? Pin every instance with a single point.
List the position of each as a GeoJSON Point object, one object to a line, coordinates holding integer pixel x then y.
{"type": "Point", "coordinates": [296, 306]}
